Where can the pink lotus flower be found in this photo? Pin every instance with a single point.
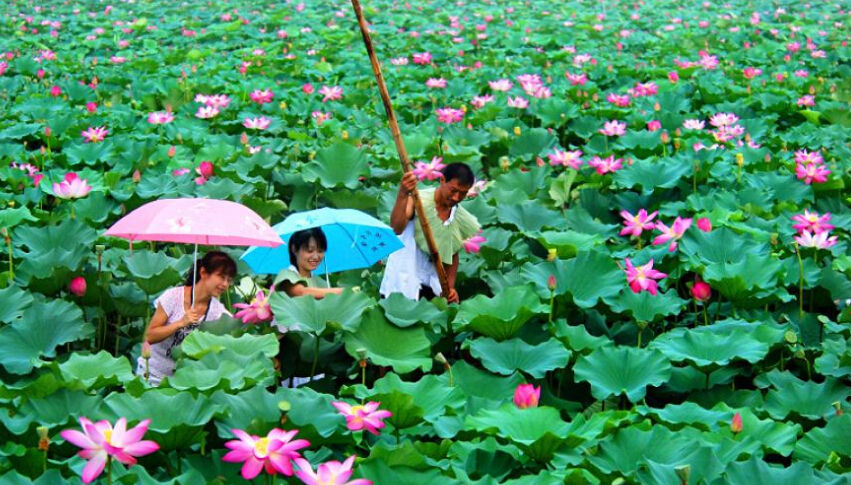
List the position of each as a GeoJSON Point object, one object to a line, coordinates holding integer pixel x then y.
{"type": "Point", "coordinates": [566, 158]}
{"type": "Point", "coordinates": [260, 123]}
{"type": "Point", "coordinates": [307, 88]}
{"type": "Point", "coordinates": [644, 89]}
{"type": "Point", "coordinates": [613, 128]}
{"type": "Point", "coordinates": [367, 417]}
{"type": "Point", "coordinates": [736, 424]}
{"type": "Point", "coordinates": [430, 170]}
{"type": "Point", "coordinates": [94, 134]}
{"type": "Point", "coordinates": [576, 79]}
{"type": "Point", "coordinates": [701, 291]}
{"type": "Point", "coordinates": [673, 77]}
{"type": "Point", "coordinates": [422, 58]}
{"type": "Point", "coordinates": [91, 107]}
{"type": "Point", "coordinates": [473, 243]}
{"type": "Point", "coordinates": [634, 225]}
{"type": "Point", "coordinates": [218, 101]}
{"type": "Point", "coordinates": [478, 187]}
{"type": "Point", "coordinates": [449, 115]}
{"type": "Point", "coordinates": [620, 100]}
{"type": "Point", "coordinates": [818, 241]}
{"type": "Point", "coordinates": [257, 311]}
{"type": "Point", "coordinates": [673, 233]}
{"type": "Point", "coordinates": [479, 102]}
{"type": "Point", "coordinates": [3, 66]}
{"type": "Point", "coordinates": [805, 157]}
{"type": "Point", "coordinates": [518, 102]}
{"type": "Point", "coordinates": [436, 82]}
{"type": "Point", "coordinates": [807, 100]}
{"type": "Point", "coordinates": [643, 278]}
{"type": "Point", "coordinates": [72, 187]}
{"type": "Point", "coordinates": [180, 171]}
{"type": "Point", "coordinates": [812, 222]}
{"type": "Point", "coordinates": [723, 119]}
{"type": "Point", "coordinates": [693, 124]}
{"type": "Point", "coordinates": [330, 93]}
{"type": "Point", "coordinates": [328, 473]}
{"type": "Point", "coordinates": [100, 441]}
{"type": "Point", "coordinates": [811, 172]}
{"type": "Point", "coordinates": [206, 112]}
{"type": "Point", "coordinates": [605, 165]}
{"type": "Point", "coordinates": [527, 396]}
{"type": "Point", "coordinates": [55, 91]}
{"type": "Point", "coordinates": [160, 117]}
{"type": "Point", "coordinates": [500, 85]}
{"type": "Point", "coordinates": [272, 453]}
{"type": "Point", "coordinates": [262, 97]}
{"type": "Point", "coordinates": [77, 286]}
{"type": "Point", "coordinates": [751, 72]}
{"type": "Point", "coordinates": [205, 169]}
{"type": "Point", "coordinates": [704, 224]}
{"type": "Point", "coordinates": [320, 117]}
{"type": "Point", "coordinates": [399, 61]}
{"type": "Point", "coordinates": [654, 125]}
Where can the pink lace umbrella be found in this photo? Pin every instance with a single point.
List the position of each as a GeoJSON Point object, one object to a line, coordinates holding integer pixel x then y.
{"type": "Point", "coordinates": [196, 221]}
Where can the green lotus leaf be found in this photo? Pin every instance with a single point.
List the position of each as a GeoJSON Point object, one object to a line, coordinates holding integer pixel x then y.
{"type": "Point", "coordinates": [49, 477]}
{"type": "Point", "coordinates": [502, 316]}
{"type": "Point", "coordinates": [577, 338]}
{"type": "Point", "coordinates": [790, 395]}
{"type": "Point", "coordinates": [706, 349]}
{"type": "Point", "coordinates": [225, 369]}
{"type": "Point", "coordinates": [718, 246]}
{"type": "Point", "coordinates": [13, 301]}
{"type": "Point", "coordinates": [645, 307]}
{"type": "Point", "coordinates": [153, 272]}
{"type": "Point", "coordinates": [255, 411]}
{"type": "Point", "coordinates": [10, 218]}
{"type": "Point", "coordinates": [404, 312]}
{"type": "Point", "coordinates": [41, 328]}
{"type": "Point", "coordinates": [531, 143]}
{"type": "Point", "coordinates": [379, 472]}
{"type": "Point", "coordinates": [530, 182]}
{"type": "Point", "coordinates": [338, 164]}
{"type": "Point", "coordinates": [687, 379]}
{"type": "Point", "coordinates": [200, 343]}
{"type": "Point", "coordinates": [529, 217]}
{"type": "Point", "coordinates": [836, 283]}
{"type": "Point", "coordinates": [551, 478]}
{"type": "Point", "coordinates": [512, 355]}
{"type": "Point", "coordinates": [644, 139]}
{"type": "Point", "coordinates": [402, 349]}
{"type": "Point", "coordinates": [835, 360]}
{"type": "Point", "coordinates": [307, 314]}
{"type": "Point", "coordinates": [688, 413]}
{"type": "Point", "coordinates": [94, 371]}
{"type": "Point", "coordinates": [538, 431]}
{"type": "Point", "coordinates": [629, 447]}
{"type": "Point", "coordinates": [757, 472]}
{"type": "Point", "coordinates": [568, 243]}
{"type": "Point", "coordinates": [64, 245]}
{"type": "Point", "coordinates": [406, 412]}
{"type": "Point", "coordinates": [430, 393]}
{"type": "Point", "coordinates": [821, 445]}
{"type": "Point", "coordinates": [486, 457]}
{"type": "Point", "coordinates": [613, 371]}
{"type": "Point", "coordinates": [311, 411]}
{"type": "Point", "coordinates": [405, 454]}
{"type": "Point", "coordinates": [555, 112]}
{"type": "Point", "coordinates": [741, 281]}
{"type": "Point", "coordinates": [651, 174]}
{"type": "Point", "coordinates": [475, 382]}
{"type": "Point", "coordinates": [61, 408]}
{"type": "Point", "coordinates": [19, 130]}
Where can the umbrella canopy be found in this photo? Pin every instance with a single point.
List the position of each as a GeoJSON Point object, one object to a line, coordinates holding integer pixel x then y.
{"type": "Point", "coordinates": [355, 240]}
{"type": "Point", "coordinates": [196, 221]}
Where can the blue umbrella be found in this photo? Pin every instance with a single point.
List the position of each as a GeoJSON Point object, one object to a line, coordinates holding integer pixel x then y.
{"type": "Point", "coordinates": [355, 240]}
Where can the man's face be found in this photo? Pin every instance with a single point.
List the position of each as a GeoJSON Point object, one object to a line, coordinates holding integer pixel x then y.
{"type": "Point", "coordinates": [453, 191]}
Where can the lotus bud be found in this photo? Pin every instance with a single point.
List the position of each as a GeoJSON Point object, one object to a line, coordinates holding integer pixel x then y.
{"type": "Point", "coordinates": [99, 248]}
{"type": "Point", "coordinates": [774, 241]}
{"type": "Point", "coordinates": [664, 137]}
{"type": "Point", "coordinates": [504, 163]}
{"type": "Point", "coordinates": [704, 224]}
{"type": "Point", "coordinates": [146, 350]}
{"type": "Point", "coordinates": [77, 286]}
{"type": "Point", "coordinates": [441, 359]}
{"type": "Point", "coordinates": [684, 473]}
{"type": "Point", "coordinates": [47, 131]}
{"type": "Point", "coordinates": [551, 282]}
{"type": "Point", "coordinates": [800, 354]}
{"type": "Point", "coordinates": [838, 407]}
{"type": "Point", "coordinates": [740, 159]}
{"type": "Point", "coordinates": [345, 134]}
{"type": "Point", "coordinates": [701, 291]}
{"type": "Point", "coordinates": [517, 130]}
{"type": "Point", "coordinates": [283, 105]}
{"type": "Point", "coordinates": [552, 254]}
{"type": "Point", "coordinates": [205, 169]}
{"type": "Point", "coordinates": [767, 157]}
{"type": "Point", "coordinates": [137, 176]}
{"type": "Point", "coordinates": [736, 424]}
{"type": "Point", "coordinates": [527, 396]}
{"type": "Point", "coordinates": [243, 139]}
{"type": "Point", "coordinates": [657, 106]}
{"type": "Point", "coordinates": [43, 438]}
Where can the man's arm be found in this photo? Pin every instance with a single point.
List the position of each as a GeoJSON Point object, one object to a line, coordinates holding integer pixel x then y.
{"type": "Point", "coordinates": [451, 276]}
{"type": "Point", "coordinates": [403, 209]}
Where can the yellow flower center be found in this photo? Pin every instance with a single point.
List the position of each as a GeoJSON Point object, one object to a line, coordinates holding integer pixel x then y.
{"type": "Point", "coordinates": [107, 436]}
{"type": "Point", "coordinates": [261, 448]}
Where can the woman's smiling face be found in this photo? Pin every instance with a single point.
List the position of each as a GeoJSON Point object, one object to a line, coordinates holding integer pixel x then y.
{"type": "Point", "coordinates": [309, 256]}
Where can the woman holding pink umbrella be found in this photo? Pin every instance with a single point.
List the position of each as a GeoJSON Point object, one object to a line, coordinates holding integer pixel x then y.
{"type": "Point", "coordinates": [177, 314]}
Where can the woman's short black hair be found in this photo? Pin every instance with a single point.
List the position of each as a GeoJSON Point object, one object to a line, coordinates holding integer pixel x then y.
{"type": "Point", "coordinates": [301, 239]}
{"type": "Point", "coordinates": [461, 172]}
{"type": "Point", "coordinates": [213, 262]}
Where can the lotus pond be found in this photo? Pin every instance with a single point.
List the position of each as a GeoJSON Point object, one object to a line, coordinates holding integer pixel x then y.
{"type": "Point", "coordinates": [665, 249]}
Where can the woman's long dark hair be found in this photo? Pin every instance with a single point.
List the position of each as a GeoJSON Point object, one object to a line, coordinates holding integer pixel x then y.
{"type": "Point", "coordinates": [302, 238]}
{"type": "Point", "coordinates": [212, 262]}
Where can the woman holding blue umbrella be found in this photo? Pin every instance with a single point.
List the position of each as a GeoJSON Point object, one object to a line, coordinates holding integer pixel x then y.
{"type": "Point", "coordinates": [307, 252]}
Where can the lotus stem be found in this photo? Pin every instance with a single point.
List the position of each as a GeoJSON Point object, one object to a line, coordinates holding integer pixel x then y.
{"type": "Point", "coordinates": [694, 177]}
{"type": "Point", "coordinates": [117, 334]}
{"type": "Point", "coordinates": [705, 316]}
{"type": "Point", "coordinates": [639, 338]}
{"type": "Point", "coordinates": [8, 239]}
{"type": "Point", "coordinates": [552, 305]}
{"type": "Point", "coordinates": [147, 370]}
{"type": "Point", "coordinates": [315, 356]}
{"type": "Point", "coordinates": [109, 469]}
{"type": "Point", "coordinates": [800, 282]}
